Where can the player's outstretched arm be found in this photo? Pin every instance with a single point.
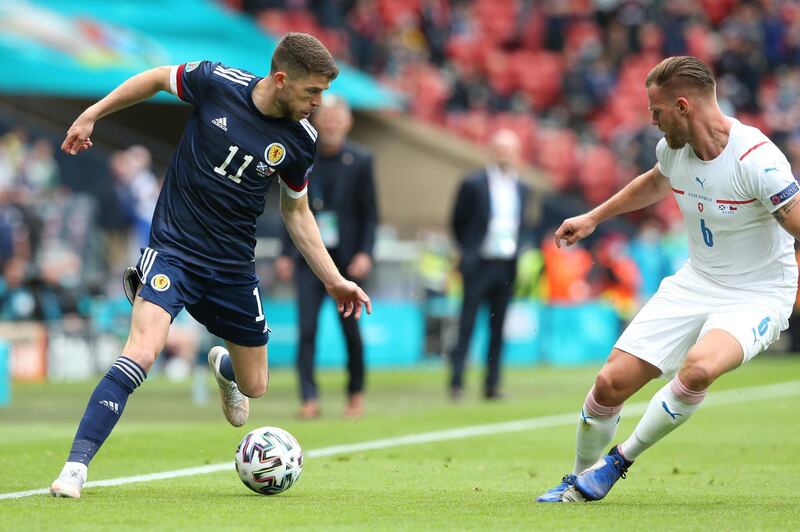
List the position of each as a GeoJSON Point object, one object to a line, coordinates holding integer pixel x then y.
{"type": "Point", "coordinates": [644, 190]}
{"type": "Point", "coordinates": [303, 229]}
{"type": "Point", "coordinates": [134, 90]}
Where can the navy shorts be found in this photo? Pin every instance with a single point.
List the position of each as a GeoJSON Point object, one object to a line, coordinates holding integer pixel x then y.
{"type": "Point", "coordinates": [228, 304]}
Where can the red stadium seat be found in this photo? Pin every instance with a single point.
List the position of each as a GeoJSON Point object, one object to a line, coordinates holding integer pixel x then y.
{"type": "Point", "coordinates": [540, 75]}
{"type": "Point", "coordinates": [597, 174]}
{"type": "Point", "coordinates": [556, 155]}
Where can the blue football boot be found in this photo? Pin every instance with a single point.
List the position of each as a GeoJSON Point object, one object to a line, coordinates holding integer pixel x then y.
{"type": "Point", "coordinates": [554, 494]}
{"type": "Point", "coordinates": [597, 481]}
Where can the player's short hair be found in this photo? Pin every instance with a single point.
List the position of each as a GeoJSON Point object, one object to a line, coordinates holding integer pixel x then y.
{"type": "Point", "coordinates": [683, 71]}
{"type": "Point", "coordinates": [301, 54]}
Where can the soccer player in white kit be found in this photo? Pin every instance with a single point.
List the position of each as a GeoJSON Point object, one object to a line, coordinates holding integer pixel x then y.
{"type": "Point", "coordinates": [730, 300]}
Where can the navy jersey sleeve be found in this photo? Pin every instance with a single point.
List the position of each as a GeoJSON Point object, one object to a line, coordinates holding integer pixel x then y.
{"type": "Point", "coordinates": [294, 176]}
{"type": "Point", "coordinates": [294, 180]}
{"type": "Point", "coordinates": [190, 80]}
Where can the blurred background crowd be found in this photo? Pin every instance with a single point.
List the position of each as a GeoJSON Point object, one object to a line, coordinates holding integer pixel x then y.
{"type": "Point", "coordinates": [566, 76]}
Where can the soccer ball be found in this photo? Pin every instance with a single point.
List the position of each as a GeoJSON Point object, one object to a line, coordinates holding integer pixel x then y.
{"type": "Point", "coordinates": [269, 460]}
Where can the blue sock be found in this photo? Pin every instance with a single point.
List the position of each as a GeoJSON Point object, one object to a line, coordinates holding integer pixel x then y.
{"type": "Point", "coordinates": [226, 368]}
{"type": "Point", "coordinates": [105, 407]}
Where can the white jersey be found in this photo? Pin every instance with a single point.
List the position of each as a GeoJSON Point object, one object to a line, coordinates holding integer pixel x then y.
{"type": "Point", "coordinates": [727, 204]}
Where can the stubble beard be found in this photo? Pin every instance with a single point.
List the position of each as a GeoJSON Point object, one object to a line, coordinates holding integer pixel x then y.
{"type": "Point", "coordinates": [675, 142]}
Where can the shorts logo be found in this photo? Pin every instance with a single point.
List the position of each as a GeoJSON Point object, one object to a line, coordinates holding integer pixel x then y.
{"type": "Point", "coordinates": [160, 282]}
{"type": "Point", "coordinates": [274, 154]}
{"type": "Point", "coordinates": [191, 66]}
{"type": "Point", "coordinates": [784, 194]}
{"type": "Point", "coordinates": [700, 207]}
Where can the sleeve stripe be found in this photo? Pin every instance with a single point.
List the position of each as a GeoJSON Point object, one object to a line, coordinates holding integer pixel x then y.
{"type": "Point", "coordinates": [294, 192]}
{"type": "Point", "coordinates": [230, 78]}
{"type": "Point", "coordinates": [753, 148]}
{"type": "Point", "coordinates": [173, 80]}
{"type": "Point", "coordinates": [234, 72]}
{"type": "Point", "coordinates": [179, 80]}
{"type": "Point", "coordinates": [309, 129]}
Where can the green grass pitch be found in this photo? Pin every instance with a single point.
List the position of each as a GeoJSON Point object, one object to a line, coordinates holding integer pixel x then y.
{"type": "Point", "coordinates": [731, 467]}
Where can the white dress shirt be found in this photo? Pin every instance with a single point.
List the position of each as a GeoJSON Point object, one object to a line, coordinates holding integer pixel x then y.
{"type": "Point", "coordinates": [504, 209]}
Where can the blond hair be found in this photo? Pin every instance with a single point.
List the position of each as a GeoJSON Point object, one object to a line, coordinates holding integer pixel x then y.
{"type": "Point", "coordinates": [683, 71]}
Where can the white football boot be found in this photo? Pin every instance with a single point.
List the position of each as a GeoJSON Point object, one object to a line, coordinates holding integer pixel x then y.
{"type": "Point", "coordinates": [235, 405]}
{"type": "Point", "coordinates": [70, 482]}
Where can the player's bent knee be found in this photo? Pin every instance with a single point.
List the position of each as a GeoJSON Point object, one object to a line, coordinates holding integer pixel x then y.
{"type": "Point", "coordinates": [698, 370]}
{"type": "Point", "coordinates": [696, 376]}
{"type": "Point", "coordinates": [608, 390]}
{"type": "Point", "coordinates": [253, 389]}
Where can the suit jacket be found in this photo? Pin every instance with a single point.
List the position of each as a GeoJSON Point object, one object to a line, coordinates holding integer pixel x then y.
{"type": "Point", "coordinates": [349, 187]}
{"type": "Point", "coordinates": [470, 217]}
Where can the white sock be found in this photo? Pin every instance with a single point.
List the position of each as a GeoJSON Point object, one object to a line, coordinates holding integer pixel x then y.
{"type": "Point", "coordinates": [70, 469]}
{"type": "Point", "coordinates": [596, 427]}
{"type": "Point", "coordinates": [669, 408]}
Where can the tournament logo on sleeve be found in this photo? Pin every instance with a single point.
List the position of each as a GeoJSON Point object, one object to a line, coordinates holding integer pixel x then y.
{"type": "Point", "coordinates": [160, 282]}
{"type": "Point", "coordinates": [784, 194]}
{"type": "Point", "coordinates": [275, 153]}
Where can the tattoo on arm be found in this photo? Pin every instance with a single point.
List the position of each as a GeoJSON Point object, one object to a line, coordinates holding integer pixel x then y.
{"type": "Point", "coordinates": [781, 213]}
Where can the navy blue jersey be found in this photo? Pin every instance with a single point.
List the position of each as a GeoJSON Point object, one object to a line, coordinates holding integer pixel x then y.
{"type": "Point", "coordinates": [226, 160]}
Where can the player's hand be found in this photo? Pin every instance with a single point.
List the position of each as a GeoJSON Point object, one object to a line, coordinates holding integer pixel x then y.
{"type": "Point", "coordinates": [78, 136]}
{"type": "Point", "coordinates": [574, 229]}
{"type": "Point", "coordinates": [360, 266]}
{"type": "Point", "coordinates": [284, 268]}
{"type": "Point", "coordinates": [349, 298]}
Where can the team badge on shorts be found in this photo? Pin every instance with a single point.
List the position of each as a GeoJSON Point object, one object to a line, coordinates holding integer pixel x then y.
{"type": "Point", "coordinates": [160, 282]}
{"type": "Point", "coordinates": [191, 66]}
{"type": "Point", "coordinates": [275, 153]}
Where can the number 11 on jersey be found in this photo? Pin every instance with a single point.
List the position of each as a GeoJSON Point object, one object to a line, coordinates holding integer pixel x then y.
{"type": "Point", "coordinates": [221, 168]}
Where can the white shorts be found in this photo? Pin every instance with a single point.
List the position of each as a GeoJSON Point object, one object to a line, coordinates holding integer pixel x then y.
{"type": "Point", "coordinates": [687, 305]}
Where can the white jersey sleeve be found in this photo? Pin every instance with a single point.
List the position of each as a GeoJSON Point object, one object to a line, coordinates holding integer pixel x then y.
{"type": "Point", "coordinates": [768, 177]}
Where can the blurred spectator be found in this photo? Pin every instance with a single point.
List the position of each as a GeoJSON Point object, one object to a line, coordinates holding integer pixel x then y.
{"type": "Point", "coordinates": [567, 270]}
{"type": "Point", "coordinates": [615, 277]}
{"type": "Point", "coordinates": [144, 190]}
{"type": "Point", "coordinates": [646, 251]}
{"type": "Point", "coordinates": [137, 190]}
{"type": "Point", "coordinates": [342, 197]}
{"type": "Point", "coordinates": [16, 300]}
{"type": "Point", "coordinates": [39, 170]}
{"type": "Point", "coordinates": [487, 224]}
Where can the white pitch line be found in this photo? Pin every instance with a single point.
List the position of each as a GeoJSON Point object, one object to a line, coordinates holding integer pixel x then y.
{"type": "Point", "coordinates": [727, 397]}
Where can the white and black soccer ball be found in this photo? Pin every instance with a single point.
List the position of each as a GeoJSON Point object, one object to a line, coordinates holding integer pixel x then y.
{"type": "Point", "coordinates": [269, 460]}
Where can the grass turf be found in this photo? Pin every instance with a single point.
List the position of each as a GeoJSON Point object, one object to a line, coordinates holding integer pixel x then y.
{"type": "Point", "coordinates": [730, 467]}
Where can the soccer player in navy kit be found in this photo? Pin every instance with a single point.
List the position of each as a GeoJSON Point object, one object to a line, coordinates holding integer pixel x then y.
{"type": "Point", "coordinates": [246, 132]}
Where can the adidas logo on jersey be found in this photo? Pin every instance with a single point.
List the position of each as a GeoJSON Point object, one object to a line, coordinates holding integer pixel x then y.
{"type": "Point", "coordinates": [221, 123]}
{"type": "Point", "coordinates": [114, 407]}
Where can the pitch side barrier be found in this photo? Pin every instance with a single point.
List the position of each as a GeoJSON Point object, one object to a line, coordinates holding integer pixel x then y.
{"type": "Point", "coordinates": [399, 333]}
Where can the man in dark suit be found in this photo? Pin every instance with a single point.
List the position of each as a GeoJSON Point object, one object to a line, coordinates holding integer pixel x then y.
{"type": "Point", "coordinates": [487, 224]}
{"type": "Point", "coordinates": [342, 196]}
